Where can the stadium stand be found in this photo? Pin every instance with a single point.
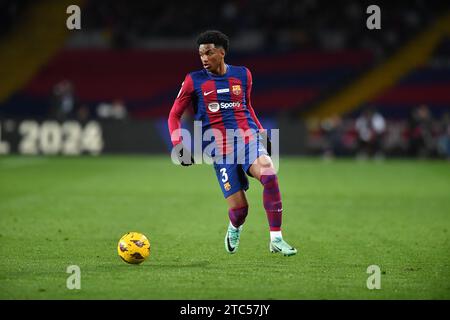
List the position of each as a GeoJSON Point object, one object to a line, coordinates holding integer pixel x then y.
{"type": "Point", "coordinates": [312, 61]}
{"type": "Point", "coordinates": [427, 84]}
{"type": "Point", "coordinates": [148, 84]}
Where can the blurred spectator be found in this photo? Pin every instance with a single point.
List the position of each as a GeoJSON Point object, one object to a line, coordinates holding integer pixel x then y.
{"type": "Point", "coordinates": [395, 143]}
{"type": "Point", "coordinates": [118, 110]}
{"type": "Point", "coordinates": [332, 130]}
{"type": "Point", "coordinates": [370, 127]}
{"type": "Point", "coordinates": [444, 137]}
{"type": "Point", "coordinates": [63, 100]}
{"type": "Point", "coordinates": [83, 113]}
{"type": "Point", "coordinates": [421, 132]}
{"type": "Point", "coordinates": [336, 136]}
{"type": "Point", "coordinates": [115, 110]}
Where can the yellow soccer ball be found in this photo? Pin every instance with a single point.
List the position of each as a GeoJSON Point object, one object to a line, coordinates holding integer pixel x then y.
{"type": "Point", "coordinates": [133, 248]}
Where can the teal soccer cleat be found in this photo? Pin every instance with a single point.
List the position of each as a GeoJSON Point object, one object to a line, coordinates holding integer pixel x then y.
{"type": "Point", "coordinates": [279, 245]}
{"type": "Point", "coordinates": [232, 239]}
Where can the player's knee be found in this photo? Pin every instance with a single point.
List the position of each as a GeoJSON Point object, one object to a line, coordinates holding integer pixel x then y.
{"type": "Point", "coordinates": [265, 166]}
{"type": "Point", "coordinates": [264, 161]}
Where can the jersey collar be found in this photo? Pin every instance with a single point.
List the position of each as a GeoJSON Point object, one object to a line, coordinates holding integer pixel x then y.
{"type": "Point", "coordinates": [212, 75]}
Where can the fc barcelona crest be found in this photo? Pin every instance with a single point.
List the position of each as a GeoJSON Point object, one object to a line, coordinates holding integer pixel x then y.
{"type": "Point", "coordinates": [236, 89]}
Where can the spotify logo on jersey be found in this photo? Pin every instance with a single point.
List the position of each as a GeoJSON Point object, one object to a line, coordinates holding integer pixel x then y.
{"type": "Point", "coordinates": [214, 106]}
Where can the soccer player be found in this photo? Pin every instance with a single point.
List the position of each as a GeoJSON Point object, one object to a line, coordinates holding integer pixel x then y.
{"type": "Point", "coordinates": [220, 97]}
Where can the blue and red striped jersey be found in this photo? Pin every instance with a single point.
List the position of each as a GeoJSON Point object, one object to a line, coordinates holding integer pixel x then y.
{"type": "Point", "coordinates": [220, 102]}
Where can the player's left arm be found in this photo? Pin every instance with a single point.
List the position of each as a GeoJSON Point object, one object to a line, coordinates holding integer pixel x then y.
{"type": "Point", "coordinates": [262, 131]}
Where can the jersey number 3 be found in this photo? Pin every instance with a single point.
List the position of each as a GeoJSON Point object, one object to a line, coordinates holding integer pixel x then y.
{"type": "Point", "coordinates": [224, 174]}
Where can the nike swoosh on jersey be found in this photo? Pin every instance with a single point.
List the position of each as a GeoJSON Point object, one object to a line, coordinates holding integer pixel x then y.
{"type": "Point", "coordinates": [207, 93]}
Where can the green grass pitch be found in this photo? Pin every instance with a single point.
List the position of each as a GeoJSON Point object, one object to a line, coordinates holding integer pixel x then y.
{"type": "Point", "coordinates": [342, 216]}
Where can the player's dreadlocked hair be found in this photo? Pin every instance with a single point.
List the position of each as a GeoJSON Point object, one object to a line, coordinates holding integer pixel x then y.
{"type": "Point", "coordinates": [213, 36]}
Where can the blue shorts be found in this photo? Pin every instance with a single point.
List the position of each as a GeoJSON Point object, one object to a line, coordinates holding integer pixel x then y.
{"type": "Point", "coordinates": [232, 172]}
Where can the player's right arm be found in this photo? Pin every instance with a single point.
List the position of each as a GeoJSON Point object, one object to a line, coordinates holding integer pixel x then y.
{"type": "Point", "coordinates": [183, 101]}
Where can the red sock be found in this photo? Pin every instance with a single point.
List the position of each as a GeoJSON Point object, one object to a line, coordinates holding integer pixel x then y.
{"type": "Point", "coordinates": [272, 201]}
{"type": "Point", "coordinates": [237, 216]}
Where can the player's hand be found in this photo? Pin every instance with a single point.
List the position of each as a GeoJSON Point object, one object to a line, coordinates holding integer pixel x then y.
{"type": "Point", "coordinates": [184, 156]}
{"type": "Point", "coordinates": [266, 141]}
